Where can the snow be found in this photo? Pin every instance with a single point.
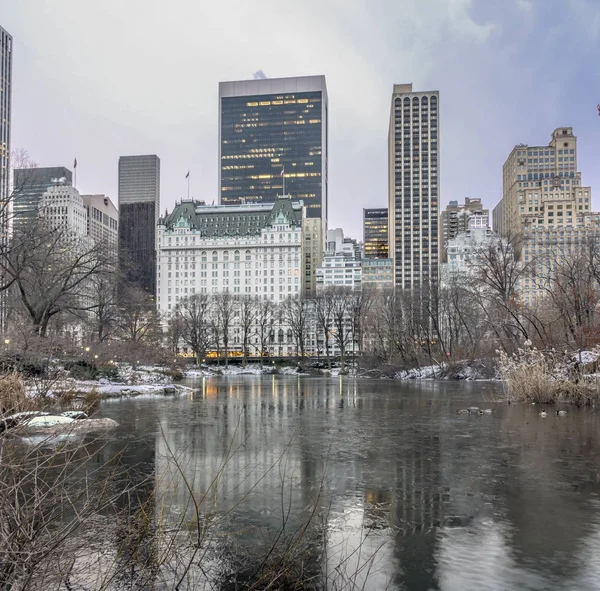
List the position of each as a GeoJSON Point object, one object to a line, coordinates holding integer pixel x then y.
{"type": "Point", "coordinates": [48, 421]}
{"type": "Point", "coordinates": [111, 389]}
{"type": "Point", "coordinates": [586, 357]}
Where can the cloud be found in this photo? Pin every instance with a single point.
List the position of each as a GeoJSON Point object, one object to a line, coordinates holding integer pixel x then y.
{"type": "Point", "coordinates": [111, 78]}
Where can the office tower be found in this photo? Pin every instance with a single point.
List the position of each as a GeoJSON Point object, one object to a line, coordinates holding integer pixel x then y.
{"type": "Point", "coordinates": [29, 186]}
{"type": "Point", "coordinates": [102, 220]}
{"type": "Point", "coordinates": [5, 118]}
{"type": "Point", "coordinates": [61, 207]}
{"type": "Point", "coordinates": [458, 218]}
{"type": "Point", "coordinates": [545, 209]}
{"type": "Point", "coordinates": [375, 233]}
{"type": "Point", "coordinates": [413, 178]}
{"type": "Point", "coordinates": [139, 204]}
{"type": "Point", "coordinates": [273, 132]}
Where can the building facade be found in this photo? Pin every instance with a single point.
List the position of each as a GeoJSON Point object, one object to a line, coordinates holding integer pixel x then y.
{"type": "Point", "coordinates": [413, 179]}
{"type": "Point", "coordinates": [312, 247]}
{"type": "Point", "coordinates": [273, 132]}
{"type": "Point", "coordinates": [375, 233]}
{"type": "Point", "coordinates": [102, 220]}
{"type": "Point", "coordinates": [545, 208]}
{"type": "Point", "coordinates": [459, 218]}
{"type": "Point", "coordinates": [5, 120]}
{"type": "Point", "coordinates": [378, 273]}
{"type": "Point", "coordinates": [243, 250]}
{"type": "Point", "coordinates": [341, 265]}
{"type": "Point", "coordinates": [29, 186]}
{"type": "Point", "coordinates": [464, 252]}
{"type": "Point", "coordinates": [61, 207]}
{"type": "Point", "coordinates": [139, 205]}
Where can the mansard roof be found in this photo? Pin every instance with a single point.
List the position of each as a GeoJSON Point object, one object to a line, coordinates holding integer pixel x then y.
{"type": "Point", "coordinates": [221, 221]}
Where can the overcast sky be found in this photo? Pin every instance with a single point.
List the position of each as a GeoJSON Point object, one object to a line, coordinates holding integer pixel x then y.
{"type": "Point", "coordinates": [97, 80]}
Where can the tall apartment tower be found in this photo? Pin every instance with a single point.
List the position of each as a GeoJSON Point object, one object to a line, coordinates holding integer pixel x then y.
{"type": "Point", "coordinates": [413, 181]}
{"type": "Point", "coordinates": [139, 204]}
{"type": "Point", "coordinates": [545, 209]}
{"type": "Point", "coordinates": [458, 218]}
{"type": "Point", "coordinates": [273, 140]}
{"type": "Point", "coordinates": [5, 117]}
{"type": "Point", "coordinates": [375, 233]}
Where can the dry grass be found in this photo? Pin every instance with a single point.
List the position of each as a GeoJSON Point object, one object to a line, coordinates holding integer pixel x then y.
{"type": "Point", "coordinates": [13, 396]}
{"type": "Point", "coordinates": [532, 375]}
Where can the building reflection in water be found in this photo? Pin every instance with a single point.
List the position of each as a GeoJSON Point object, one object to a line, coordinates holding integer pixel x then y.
{"type": "Point", "coordinates": [439, 501]}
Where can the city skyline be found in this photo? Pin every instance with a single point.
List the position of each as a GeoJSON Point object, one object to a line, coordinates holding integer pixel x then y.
{"type": "Point", "coordinates": [102, 109]}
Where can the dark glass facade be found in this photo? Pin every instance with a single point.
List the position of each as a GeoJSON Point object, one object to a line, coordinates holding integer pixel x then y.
{"type": "Point", "coordinates": [137, 231]}
{"type": "Point", "coordinates": [139, 202]}
{"type": "Point", "coordinates": [263, 135]}
{"type": "Point", "coordinates": [375, 233]}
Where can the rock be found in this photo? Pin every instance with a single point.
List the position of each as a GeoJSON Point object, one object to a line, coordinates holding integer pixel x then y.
{"type": "Point", "coordinates": [72, 426]}
{"type": "Point", "coordinates": [74, 414]}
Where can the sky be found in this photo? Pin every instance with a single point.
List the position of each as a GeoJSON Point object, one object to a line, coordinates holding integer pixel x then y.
{"type": "Point", "coordinates": [97, 80]}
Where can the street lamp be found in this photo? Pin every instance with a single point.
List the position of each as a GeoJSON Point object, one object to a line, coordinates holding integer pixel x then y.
{"type": "Point", "coordinates": [87, 349]}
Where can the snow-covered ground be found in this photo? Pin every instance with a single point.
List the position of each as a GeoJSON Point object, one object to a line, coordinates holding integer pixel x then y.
{"type": "Point", "coordinates": [236, 370]}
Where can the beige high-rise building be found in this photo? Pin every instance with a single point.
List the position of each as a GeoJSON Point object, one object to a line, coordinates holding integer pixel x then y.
{"type": "Point", "coordinates": [312, 254]}
{"type": "Point", "coordinates": [413, 186]}
{"type": "Point", "coordinates": [539, 179]}
{"type": "Point", "coordinates": [545, 207]}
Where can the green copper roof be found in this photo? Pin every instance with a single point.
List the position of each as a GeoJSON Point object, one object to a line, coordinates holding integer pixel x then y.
{"type": "Point", "coordinates": [232, 220]}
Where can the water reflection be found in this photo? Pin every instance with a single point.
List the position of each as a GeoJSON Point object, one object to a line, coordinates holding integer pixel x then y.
{"type": "Point", "coordinates": [439, 500]}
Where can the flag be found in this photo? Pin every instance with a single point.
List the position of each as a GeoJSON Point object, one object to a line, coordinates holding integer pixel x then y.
{"type": "Point", "coordinates": [187, 175]}
{"type": "Point", "coordinates": [282, 171]}
{"type": "Point", "coordinates": [75, 163]}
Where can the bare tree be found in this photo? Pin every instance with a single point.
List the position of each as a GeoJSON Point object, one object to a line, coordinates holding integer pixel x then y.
{"type": "Point", "coordinates": [323, 319]}
{"type": "Point", "coordinates": [295, 315]}
{"type": "Point", "coordinates": [342, 322]}
{"type": "Point", "coordinates": [104, 317]}
{"type": "Point", "coordinates": [51, 271]}
{"type": "Point", "coordinates": [247, 315]}
{"type": "Point", "coordinates": [265, 314]}
{"type": "Point", "coordinates": [194, 315]}
{"type": "Point", "coordinates": [138, 319]}
{"type": "Point", "coordinates": [225, 312]}
{"type": "Point", "coordinates": [361, 302]}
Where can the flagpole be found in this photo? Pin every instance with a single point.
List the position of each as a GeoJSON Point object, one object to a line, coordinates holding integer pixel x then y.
{"type": "Point", "coordinates": [283, 174]}
{"type": "Point", "coordinates": [188, 187]}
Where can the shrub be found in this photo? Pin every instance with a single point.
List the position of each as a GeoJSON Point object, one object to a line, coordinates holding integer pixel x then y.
{"type": "Point", "coordinates": [13, 397]}
{"type": "Point", "coordinates": [543, 377]}
{"type": "Point", "coordinates": [82, 370]}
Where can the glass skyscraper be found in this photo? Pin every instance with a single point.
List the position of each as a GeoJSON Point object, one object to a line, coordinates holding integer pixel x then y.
{"type": "Point", "coordinates": [5, 117]}
{"type": "Point", "coordinates": [139, 203]}
{"type": "Point", "coordinates": [375, 233]}
{"type": "Point", "coordinates": [273, 132]}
